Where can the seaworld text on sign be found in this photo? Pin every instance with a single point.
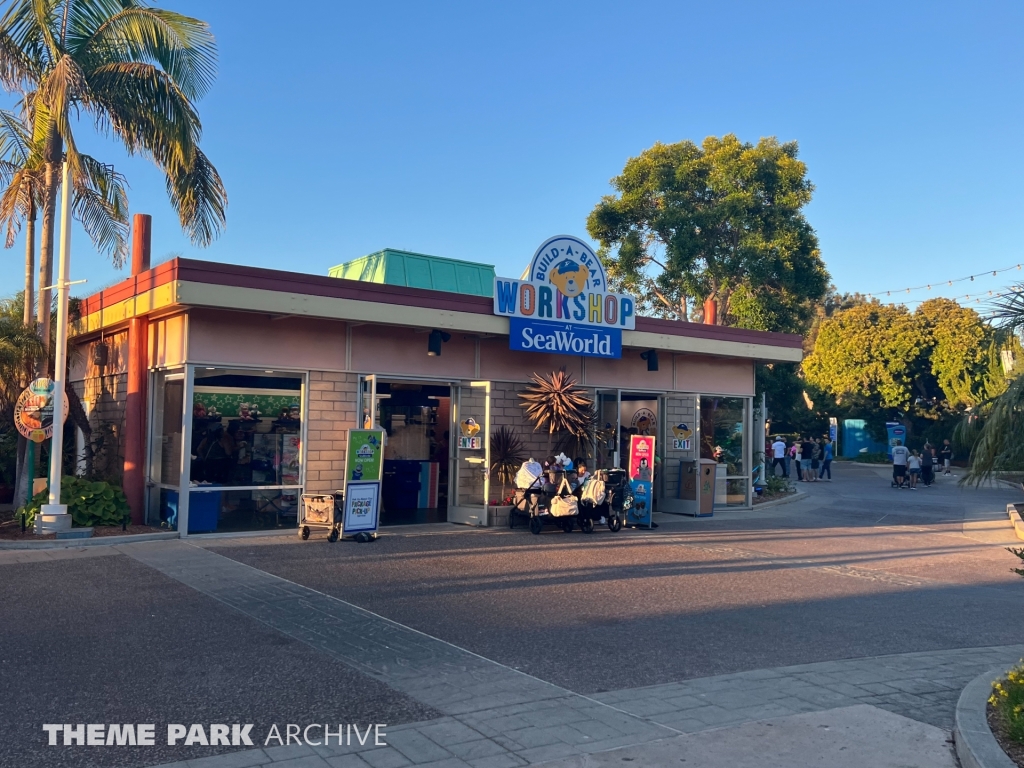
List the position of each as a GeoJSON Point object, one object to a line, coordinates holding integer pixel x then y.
{"type": "Point", "coordinates": [564, 338]}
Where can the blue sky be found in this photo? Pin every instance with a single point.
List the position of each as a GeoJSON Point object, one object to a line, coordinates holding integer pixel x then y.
{"type": "Point", "coordinates": [477, 130]}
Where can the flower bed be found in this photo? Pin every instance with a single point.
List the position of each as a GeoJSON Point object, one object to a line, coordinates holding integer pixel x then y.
{"type": "Point", "coordinates": [1006, 713]}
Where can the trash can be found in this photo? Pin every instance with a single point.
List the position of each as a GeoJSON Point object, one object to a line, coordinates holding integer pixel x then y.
{"type": "Point", "coordinates": [688, 479]}
{"type": "Point", "coordinates": [706, 489]}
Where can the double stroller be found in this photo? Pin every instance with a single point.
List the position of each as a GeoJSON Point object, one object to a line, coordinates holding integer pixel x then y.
{"type": "Point", "coordinates": [553, 498]}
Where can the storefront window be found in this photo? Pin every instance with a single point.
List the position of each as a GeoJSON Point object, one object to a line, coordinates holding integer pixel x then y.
{"type": "Point", "coordinates": [166, 444]}
{"type": "Point", "coordinates": [246, 448]}
{"type": "Point", "coordinates": [723, 435]}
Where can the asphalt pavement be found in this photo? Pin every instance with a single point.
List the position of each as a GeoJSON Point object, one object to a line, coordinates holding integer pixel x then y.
{"type": "Point", "coordinates": [104, 639]}
{"type": "Point", "coordinates": [853, 569]}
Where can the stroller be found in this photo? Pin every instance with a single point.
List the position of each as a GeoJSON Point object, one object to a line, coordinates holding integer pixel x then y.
{"type": "Point", "coordinates": [597, 501]}
{"type": "Point", "coordinates": [543, 499]}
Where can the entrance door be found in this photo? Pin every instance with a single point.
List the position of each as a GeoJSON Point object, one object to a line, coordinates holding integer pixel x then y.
{"type": "Point", "coordinates": [368, 400]}
{"type": "Point", "coordinates": [167, 417]}
{"type": "Point", "coordinates": [471, 453]}
{"type": "Point", "coordinates": [608, 410]}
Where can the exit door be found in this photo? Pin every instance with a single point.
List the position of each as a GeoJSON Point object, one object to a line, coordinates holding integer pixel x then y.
{"type": "Point", "coordinates": [471, 453]}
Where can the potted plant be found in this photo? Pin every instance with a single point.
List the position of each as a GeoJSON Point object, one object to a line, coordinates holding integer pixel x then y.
{"type": "Point", "coordinates": [507, 455]}
{"type": "Point", "coordinates": [555, 403]}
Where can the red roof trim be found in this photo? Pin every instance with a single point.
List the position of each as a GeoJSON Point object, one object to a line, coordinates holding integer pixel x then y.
{"type": "Point", "coordinates": [214, 273]}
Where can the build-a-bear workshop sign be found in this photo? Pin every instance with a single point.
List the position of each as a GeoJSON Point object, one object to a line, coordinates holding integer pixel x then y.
{"type": "Point", "coordinates": [562, 303]}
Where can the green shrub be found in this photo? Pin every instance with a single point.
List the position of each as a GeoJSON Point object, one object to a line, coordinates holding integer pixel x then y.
{"type": "Point", "coordinates": [90, 503]}
{"type": "Point", "coordinates": [1008, 700]}
{"type": "Point", "coordinates": [774, 484]}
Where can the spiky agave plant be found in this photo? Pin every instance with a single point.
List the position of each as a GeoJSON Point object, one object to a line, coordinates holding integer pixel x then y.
{"type": "Point", "coordinates": [507, 455]}
{"type": "Point", "coordinates": [554, 403]}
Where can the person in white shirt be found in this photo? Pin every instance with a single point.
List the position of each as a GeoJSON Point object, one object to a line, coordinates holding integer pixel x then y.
{"type": "Point", "coordinates": [900, 454]}
{"type": "Point", "coordinates": [779, 456]}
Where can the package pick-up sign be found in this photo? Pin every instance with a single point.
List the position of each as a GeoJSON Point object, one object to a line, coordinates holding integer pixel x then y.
{"type": "Point", "coordinates": [562, 304]}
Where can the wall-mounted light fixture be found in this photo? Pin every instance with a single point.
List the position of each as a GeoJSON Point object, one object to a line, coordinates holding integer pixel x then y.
{"type": "Point", "coordinates": [651, 356]}
{"type": "Point", "coordinates": [434, 342]}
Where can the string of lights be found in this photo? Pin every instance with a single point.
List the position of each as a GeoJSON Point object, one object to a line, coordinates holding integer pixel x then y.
{"type": "Point", "coordinates": [976, 298]}
{"type": "Point", "coordinates": [929, 286]}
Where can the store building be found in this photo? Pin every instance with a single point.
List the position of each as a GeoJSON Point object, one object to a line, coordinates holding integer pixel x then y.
{"type": "Point", "coordinates": [227, 391]}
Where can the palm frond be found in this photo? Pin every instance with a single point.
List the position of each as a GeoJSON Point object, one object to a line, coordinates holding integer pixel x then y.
{"type": "Point", "coordinates": [554, 402]}
{"type": "Point", "coordinates": [200, 198]}
{"type": "Point", "coordinates": [993, 437]}
{"type": "Point", "coordinates": [507, 455]}
{"type": "Point", "coordinates": [183, 46]}
{"type": "Point", "coordinates": [147, 111]}
{"type": "Point", "coordinates": [14, 138]}
{"type": "Point", "coordinates": [101, 205]}
{"type": "Point", "coordinates": [1008, 310]}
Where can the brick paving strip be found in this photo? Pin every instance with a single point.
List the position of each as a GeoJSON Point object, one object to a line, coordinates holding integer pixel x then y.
{"type": "Point", "coordinates": [496, 716]}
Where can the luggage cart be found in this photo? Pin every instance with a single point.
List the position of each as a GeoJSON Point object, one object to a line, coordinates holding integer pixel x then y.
{"type": "Point", "coordinates": [321, 511]}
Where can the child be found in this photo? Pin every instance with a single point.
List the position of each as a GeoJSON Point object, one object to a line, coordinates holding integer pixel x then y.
{"type": "Point", "coordinates": [914, 465]}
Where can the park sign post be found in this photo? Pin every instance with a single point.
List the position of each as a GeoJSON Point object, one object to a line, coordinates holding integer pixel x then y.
{"type": "Point", "coordinates": [562, 303]}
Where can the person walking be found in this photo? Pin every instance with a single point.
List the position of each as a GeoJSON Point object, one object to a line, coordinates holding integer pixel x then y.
{"type": "Point", "coordinates": [806, 454]}
{"type": "Point", "coordinates": [826, 461]}
{"type": "Point", "coordinates": [927, 465]}
{"type": "Point", "coordinates": [946, 456]}
{"type": "Point", "coordinates": [914, 465]}
{"type": "Point", "coordinates": [779, 456]}
{"type": "Point", "coordinates": [816, 454]}
{"type": "Point", "coordinates": [899, 463]}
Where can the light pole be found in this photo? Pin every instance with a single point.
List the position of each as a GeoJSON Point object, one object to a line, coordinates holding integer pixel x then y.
{"type": "Point", "coordinates": [54, 516]}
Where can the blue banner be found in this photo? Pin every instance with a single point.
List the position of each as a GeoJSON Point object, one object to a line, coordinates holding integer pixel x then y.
{"type": "Point", "coordinates": [564, 338]}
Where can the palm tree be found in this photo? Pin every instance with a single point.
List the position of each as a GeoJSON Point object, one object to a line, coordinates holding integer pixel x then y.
{"type": "Point", "coordinates": [19, 346]}
{"type": "Point", "coordinates": [136, 71]}
{"type": "Point", "coordinates": [993, 432]}
{"type": "Point", "coordinates": [100, 202]}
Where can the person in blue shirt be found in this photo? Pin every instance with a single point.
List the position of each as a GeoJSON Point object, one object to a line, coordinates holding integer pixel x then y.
{"type": "Point", "coordinates": [826, 464]}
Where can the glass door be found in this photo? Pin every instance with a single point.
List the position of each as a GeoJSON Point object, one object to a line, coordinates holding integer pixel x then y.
{"type": "Point", "coordinates": [167, 420]}
{"type": "Point", "coordinates": [471, 428]}
{"type": "Point", "coordinates": [609, 408]}
{"type": "Point", "coordinates": [368, 400]}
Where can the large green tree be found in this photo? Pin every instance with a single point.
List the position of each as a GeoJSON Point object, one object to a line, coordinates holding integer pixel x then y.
{"type": "Point", "coordinates": [136, 72]}
{"type": "Point", "coordinates": [714, 232]}
{"type": "Point", "coordinates": [893, 357]}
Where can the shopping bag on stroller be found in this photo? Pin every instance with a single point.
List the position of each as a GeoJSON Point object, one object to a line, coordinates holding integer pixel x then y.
{"type": "Point", "coordinates": [564, 504]}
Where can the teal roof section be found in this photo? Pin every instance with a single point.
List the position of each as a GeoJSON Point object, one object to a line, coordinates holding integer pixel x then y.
{"type": "Point", "coordinates": [417, 270]}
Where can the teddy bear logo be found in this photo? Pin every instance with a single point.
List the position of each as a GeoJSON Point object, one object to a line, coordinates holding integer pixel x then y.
{"type": "Point", "coordinates": [470, 427]}
{"type": "Point", "coordinates": [681, 431]}
{"type": "Point", "coordinates": [569, 277]}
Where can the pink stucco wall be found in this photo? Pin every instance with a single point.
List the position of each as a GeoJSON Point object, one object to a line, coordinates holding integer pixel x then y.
{"type": "Point", "coordinates": [250, 338]}
{"type": "Point", "coordinates": [253, 339]}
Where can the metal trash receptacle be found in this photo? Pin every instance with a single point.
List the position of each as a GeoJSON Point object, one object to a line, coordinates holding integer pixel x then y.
{"type": "Point", "coordinates": [688, 476]}
{"type": "Point", "coordinates": [706, 488]}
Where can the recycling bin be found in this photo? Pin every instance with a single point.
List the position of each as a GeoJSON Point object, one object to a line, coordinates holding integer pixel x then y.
{"type": "Point", "coordinates": [706, 488]}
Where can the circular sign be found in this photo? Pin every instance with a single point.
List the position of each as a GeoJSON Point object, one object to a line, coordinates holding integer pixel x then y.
{"type": "Point", "coordinates": [33, 413]}
{"type": "Point", "coordinates": [570, 265]}
{"type": "Point", "coordinates": [644, 420]}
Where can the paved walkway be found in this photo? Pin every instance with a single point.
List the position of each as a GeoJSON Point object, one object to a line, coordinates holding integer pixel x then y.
{"type": "Point", "coordinates": [496, 716]}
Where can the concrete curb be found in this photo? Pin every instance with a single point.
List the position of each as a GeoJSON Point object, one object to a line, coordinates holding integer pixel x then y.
{"type": "Point", "coordinates": [102, 541]}
{"type": "Point", "coordinates": [1015, 520]}
{"type": "Point", "coordinates": [975, 745]}
{"type": "Point", "coordinates": [795, 496]}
